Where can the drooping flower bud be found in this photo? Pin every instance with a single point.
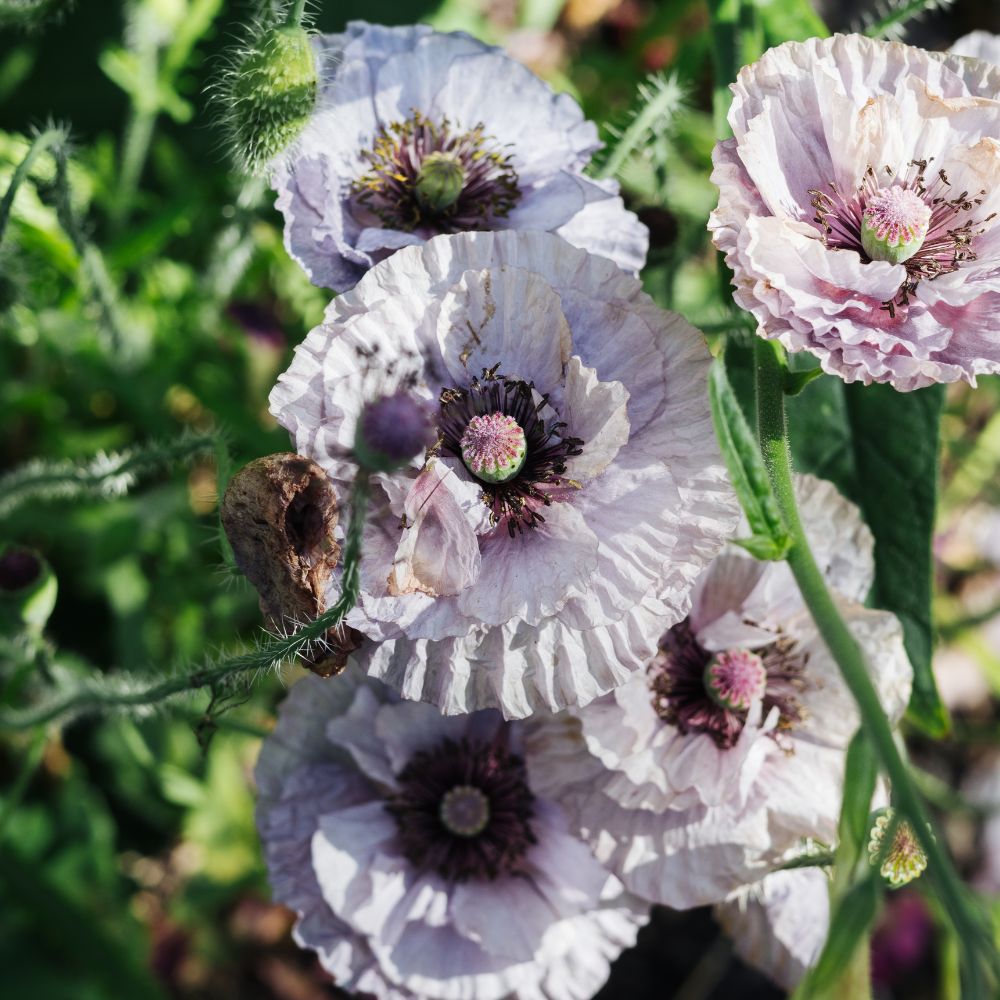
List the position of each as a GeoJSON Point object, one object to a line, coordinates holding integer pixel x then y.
{"type": "Point", "coordinates": [904, 859]}
{"type": "Point", "coordinates": [268, 93]}
{"type": "Point", "coordinates": [27, 589]}
{"type": "Point", "coordinates": [894, 224]}
{"type": "Point", "coordinates": [391, 431]}
{"type": "Point", "coordinates": [440, 181]}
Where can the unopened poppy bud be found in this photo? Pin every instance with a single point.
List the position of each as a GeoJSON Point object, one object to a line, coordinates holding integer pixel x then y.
{"type": "Point", "coordinates": [391, 431]}
{"type": "Point", "coordinates": [268, 92]}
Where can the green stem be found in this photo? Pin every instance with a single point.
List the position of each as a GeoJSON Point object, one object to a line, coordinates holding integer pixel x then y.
{"type": "Point", "coordinates": [845, 650]}
{"type": "Point", "coordinates": [295, 13]}
{"type": "Point", "coordinates": [97, 698]}
{"type": "Point", "coordinates": [135, 149]}
{"type": "Point", "coordinates": [50, 137]}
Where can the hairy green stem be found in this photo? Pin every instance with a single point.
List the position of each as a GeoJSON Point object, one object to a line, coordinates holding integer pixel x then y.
{"type": "Point", "coordinates": [849, 656]}
{"type": "Point", "coordinates": [103, 476]}
{"type": "Point", "coordinates": [295, 13]}
{"type": "Point", "coordinates": [97, 697]}
{"type": "Point", "coordinates": [51, 137]}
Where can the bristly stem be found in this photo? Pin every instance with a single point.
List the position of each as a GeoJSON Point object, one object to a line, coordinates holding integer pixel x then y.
{"type": "Point", "coordinates": [112, 693]}
{"type": "Point", "coordinates": [54, 136]}
{"type": "Point", "coordinates": [295, 13]}
{"type": "Point", "coordinates": [850, 658]}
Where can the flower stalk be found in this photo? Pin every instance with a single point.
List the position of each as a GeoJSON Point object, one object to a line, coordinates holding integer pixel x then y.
{"type": "Point", "coordinates": [772, 434]}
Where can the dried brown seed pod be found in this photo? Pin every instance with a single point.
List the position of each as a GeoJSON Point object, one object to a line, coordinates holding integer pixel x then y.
{"type": "Point", "coordinates": [279, 513]}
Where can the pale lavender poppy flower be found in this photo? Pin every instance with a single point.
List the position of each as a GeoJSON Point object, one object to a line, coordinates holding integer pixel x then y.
{"type": "Point", "coordinates": [979, 45]}
{"type": "Point", "coordinates": [779, 925]}
{"type": "Point", "coordinates": [425, 858]}
{"type": "Point", "coordinates": [727, 755]}
{"type": "Point", "coordinates": [532, 559]}
{"type": "Point", "coordinates": [858, 208]}
{"type": "Point", "coordinates": [418, 133]}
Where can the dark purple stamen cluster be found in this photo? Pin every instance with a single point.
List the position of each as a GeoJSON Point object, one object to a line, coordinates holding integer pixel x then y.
{"type": "Point", "coordinates": [390, 188]}
{"type": "Point", "coordinates": [680, 697]}
{"type": "Point", "coordinates": [437, 796]}
{"type": "Point", "coordinates": [950, 233]}
{"type": "Point", "coordinates": [517, 499]}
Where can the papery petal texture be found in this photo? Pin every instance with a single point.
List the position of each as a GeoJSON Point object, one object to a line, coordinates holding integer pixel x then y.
{"type": "Point", "coordinates": [480, 105]}
{"type": "Point", "coordinates": [384, 918]}
{"type": "Point", "coordinates": [822, 130]}
{"type": "Point", "coordinates": [695, 799]}
{"type": "Point", "coordinates": [549, 589]}
{"type": "Point", "coordinates": [780, 925]}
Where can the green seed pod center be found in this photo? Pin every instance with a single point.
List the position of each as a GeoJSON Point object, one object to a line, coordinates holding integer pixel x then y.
{"type": "Point", "coordinates": [440, 181]}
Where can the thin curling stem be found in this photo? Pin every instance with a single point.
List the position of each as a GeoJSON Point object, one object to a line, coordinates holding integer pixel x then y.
{"type": "Point", "coordinates": [109, 694]}
{"type": "Point", "coordinates": [771, 430]}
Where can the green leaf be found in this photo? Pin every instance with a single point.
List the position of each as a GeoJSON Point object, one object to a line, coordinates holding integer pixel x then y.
{"type": "Point", "coordinates": [880, 448]}
{"type": "Point", "coordinates": [860, 775]}
{"type": "Point", "coordinates": [790, 21]}
{"type": "Point", "coordinates": [895, 443]}
{"type": "Point", "coordinates": [769, 538]}
{"type": "Point", "coordinates": [852, 916]}
{"type": "Point", "coordinates": [795, 382]}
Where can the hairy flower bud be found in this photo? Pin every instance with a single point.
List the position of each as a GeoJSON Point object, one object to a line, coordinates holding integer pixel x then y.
{"type": "Point", "coordinates": [391, 431]}
{"type": "Point", "coordinates": [268, 92]}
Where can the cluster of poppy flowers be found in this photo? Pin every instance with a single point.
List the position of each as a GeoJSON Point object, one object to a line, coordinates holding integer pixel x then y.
{"type": "Point", "coordinates": [573, 696]}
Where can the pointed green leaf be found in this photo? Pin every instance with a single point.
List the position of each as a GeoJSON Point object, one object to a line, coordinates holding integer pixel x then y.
{"type": "Point", "coordinates": [769, 538]}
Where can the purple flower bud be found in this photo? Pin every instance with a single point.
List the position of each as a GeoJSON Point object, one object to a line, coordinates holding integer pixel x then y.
{"type": "Point", "coordinates": [391, 431]}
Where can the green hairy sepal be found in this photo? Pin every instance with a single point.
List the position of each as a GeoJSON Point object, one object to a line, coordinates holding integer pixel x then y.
{"type": "Point", "coordinates": [268, 93]}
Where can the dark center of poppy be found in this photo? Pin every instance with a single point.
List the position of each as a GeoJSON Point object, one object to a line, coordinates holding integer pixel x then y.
{"type": "Point", "coordinates": [500, 429]}
{"type": "Point", "coordinates": [703, 692]}
{"type": "Point", "coordinates": [464, 810]}
{"type": "Point", "coordinates": [913, 220]}
{"type": "Point", "coordinates": [430, 175]}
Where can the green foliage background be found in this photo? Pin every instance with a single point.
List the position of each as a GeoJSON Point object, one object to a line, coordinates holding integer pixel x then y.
{"type": "Point", "coordinates": [129, 864]}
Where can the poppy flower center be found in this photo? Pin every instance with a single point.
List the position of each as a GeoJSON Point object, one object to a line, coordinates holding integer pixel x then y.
{"type": "Point", "coordinates": [735, 679]}
{"type": "Point", "coordinates": [463, 809]}
{"type": "Point", "coordinates": [509, 438]}
{"type": "Point", "coordinates": [702, 692]}
{"type": "Point", "coordinates": [894, 224]}
{"type": "Point", "coordinates": [916, 219]}
{"type": "Point", "coordinates": [425, 174]}
{"type": "Point", "coordinates": [493, 447]}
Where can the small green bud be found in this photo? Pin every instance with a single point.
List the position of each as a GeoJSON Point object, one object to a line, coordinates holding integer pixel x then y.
{"type": "Point", "coordinates": [440, 181]}
{"type": "Point", "coordinates": [27, 589]}
{"type": "Point", "coordinates": [269, 92]}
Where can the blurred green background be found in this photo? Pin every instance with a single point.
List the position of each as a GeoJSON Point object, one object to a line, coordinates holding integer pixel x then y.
{"type": "Point", "coordinates": [129, 864]}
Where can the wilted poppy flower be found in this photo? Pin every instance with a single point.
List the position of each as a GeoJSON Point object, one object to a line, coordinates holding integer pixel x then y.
{"type": "Point", "coordinates": [858, 207]}
{"type": "Point", "coordinates": [424, 856]}
{"type": "Point", "coordinates": [532, 558]}
{"type": "Point", "coordinates": [418, 133]}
